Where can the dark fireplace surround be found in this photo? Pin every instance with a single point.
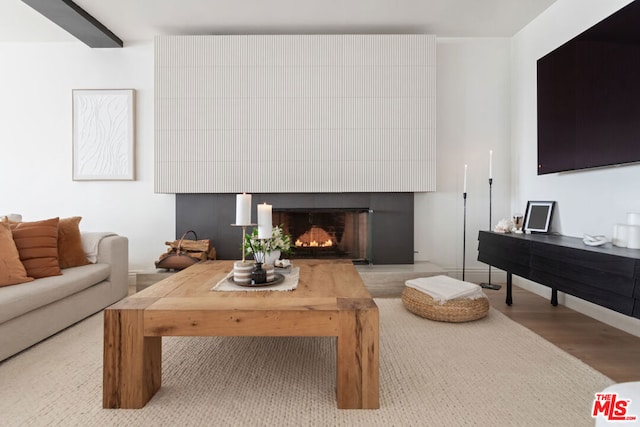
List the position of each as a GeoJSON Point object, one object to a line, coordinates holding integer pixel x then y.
{"type": "Point", "coordinates": [390, 219]}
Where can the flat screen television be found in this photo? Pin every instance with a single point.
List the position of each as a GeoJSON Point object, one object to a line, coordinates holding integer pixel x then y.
{"type": "Point", "coordinates": [589, 97]}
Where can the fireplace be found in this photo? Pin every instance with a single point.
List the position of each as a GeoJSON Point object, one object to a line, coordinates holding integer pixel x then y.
{"type": "Point", "coordinates": [326, 233]}
{"type": "Point", "coordinates": [374, 228]}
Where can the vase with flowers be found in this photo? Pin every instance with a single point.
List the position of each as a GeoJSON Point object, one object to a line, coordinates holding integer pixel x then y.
{"type": "Point", "coordinates": [267, 251]}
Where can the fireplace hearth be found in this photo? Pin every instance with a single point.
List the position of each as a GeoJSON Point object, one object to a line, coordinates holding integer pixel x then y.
{"type": "Point", "coordinates": [375, 228]}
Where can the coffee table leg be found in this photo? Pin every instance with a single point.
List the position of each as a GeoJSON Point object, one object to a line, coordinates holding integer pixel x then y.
{"type": "Point", "coordinates": [132, 362]}
{"type": "Point", "coordinates": [358, 361]}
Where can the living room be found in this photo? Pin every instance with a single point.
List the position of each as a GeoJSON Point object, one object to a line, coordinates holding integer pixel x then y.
{"type": "Point", "coordinates": [486, 100]}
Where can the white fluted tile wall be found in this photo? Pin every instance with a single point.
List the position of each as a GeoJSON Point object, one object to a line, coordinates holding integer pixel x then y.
{"type": "Point", "coordinates": [295, 113]}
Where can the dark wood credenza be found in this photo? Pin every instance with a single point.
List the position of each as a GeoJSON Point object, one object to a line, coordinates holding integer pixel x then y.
{"type": "Point", "coordinates": [606, 275]}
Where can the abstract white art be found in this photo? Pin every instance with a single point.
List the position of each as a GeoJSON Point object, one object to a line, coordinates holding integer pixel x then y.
{"type": "Point", "coordinates": [103, 134]}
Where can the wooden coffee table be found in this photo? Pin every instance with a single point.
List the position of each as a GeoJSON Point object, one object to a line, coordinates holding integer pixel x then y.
{"type": "Point", "coordinates": [331, 300]}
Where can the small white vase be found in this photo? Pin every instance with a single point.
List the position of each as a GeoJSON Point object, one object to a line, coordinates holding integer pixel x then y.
{"type": "Point", "coordinates": [272, 257]}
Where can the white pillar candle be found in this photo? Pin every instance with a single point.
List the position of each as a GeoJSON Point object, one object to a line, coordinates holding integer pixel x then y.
{"type": "Point", "coordinates": [633, 218]}
{"type": "Point", "coordinates": [265, 222]}
{"type": "Point", "coordinates": [633, 240]}
{"type": "Point", "coordinates": [243, 209]}
{"type": "Point", "coordinates": [614, 236]}
{"type": "Point", "coordinates": [620, 235]}
{"type": "Point", "coordinates": [464, 188]}
{"type": "Point", "coordinates": [490, 164]}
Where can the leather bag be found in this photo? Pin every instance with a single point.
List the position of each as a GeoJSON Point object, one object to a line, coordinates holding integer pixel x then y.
{"type": "Point", "coordinates": [178, 258]}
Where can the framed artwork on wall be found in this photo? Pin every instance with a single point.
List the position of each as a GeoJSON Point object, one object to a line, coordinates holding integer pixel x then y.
{"type": "Point", "coordinates": [103, 134]}
{"type": "Point", "coordinates": [538, 216]}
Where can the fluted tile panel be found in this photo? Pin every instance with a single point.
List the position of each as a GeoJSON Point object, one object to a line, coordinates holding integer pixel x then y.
{"type": "Point", "coordinates": [295, 113]}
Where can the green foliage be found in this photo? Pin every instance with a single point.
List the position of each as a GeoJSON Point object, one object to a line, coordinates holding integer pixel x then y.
{"type": "Point", "coordinates": [278, 242]}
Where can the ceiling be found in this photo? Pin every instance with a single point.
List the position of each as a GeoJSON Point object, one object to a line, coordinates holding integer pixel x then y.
{"type": "Point", "coordinates": [139, 20]}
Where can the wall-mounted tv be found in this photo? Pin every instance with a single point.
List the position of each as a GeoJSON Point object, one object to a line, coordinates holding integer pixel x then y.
{"type": "Point", "coordinates": [589, 97]}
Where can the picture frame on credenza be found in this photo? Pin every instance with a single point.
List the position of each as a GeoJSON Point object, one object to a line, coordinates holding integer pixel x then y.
{"type": "Point", "coordinates": [537, 218]}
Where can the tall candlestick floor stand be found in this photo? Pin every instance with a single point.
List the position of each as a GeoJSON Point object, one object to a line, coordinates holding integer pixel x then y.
{"type": "Point", "coordinates": [490, 285]}
{"type": "Point", "coordinates": [464, 233]}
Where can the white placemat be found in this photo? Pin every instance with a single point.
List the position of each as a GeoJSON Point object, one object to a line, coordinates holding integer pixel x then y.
{"type": "Point", "coordinates": [290, 283]}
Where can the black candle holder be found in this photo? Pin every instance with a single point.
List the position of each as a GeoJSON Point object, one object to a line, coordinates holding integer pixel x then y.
{"type": "Point", "coordinates": [464, 233]}
{"type": "Point", "coordinates": [490, 285]}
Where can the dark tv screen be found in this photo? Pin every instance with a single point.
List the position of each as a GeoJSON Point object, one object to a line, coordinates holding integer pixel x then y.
{"type": "Point", "coordinates": [589, 97]}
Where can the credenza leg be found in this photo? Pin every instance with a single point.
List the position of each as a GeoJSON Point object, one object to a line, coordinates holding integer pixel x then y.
{"type": "Point", "coordinates": [554, 297]}
{"type": "Point", "coordinates": [509, 299]}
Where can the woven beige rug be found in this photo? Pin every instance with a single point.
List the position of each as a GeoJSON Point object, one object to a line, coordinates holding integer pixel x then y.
{"type": "Point", "coordinates": [491, 372]}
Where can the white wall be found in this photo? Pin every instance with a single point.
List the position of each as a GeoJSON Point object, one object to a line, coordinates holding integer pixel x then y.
{"type": "Point", "coordinates": [472, 118]}
{"type": "Point", "coordinates": [36, 143]}
{"type": "Point", "coordinates": [587, 201]}
{"type": "Point", "coordinates": [35, 108]}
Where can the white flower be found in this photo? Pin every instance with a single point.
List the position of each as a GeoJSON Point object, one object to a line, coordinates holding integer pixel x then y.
{"type": "Point", "coordinates": [278, 242]}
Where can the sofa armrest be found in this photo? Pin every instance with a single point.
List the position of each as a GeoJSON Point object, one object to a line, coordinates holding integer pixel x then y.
{"type": "Point", "coordinates": [114, 250]}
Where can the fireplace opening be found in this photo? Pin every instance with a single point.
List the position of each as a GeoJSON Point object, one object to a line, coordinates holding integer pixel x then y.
{"type": "Point", "coordinates": [327, 233]}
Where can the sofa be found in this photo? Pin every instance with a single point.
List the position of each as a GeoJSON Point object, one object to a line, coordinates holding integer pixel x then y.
{"type": "Point", "coordinates": [36, 309]}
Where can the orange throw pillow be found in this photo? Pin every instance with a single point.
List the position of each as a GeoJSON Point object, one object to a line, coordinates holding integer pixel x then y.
{"type": "Point", "coordinates": [70, 251]}
{"type": "Point", "coordinates": [37, 244]}
{"type": "Point", "coordinates": [12, 271]}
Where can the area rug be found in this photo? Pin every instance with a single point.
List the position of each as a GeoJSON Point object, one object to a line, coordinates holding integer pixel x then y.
{"type": "Point", "coordinates": [489, 372]}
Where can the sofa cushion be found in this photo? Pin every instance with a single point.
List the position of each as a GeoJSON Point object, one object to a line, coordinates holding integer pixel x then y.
{"type": "Point", "coordinates": [70, 250]}
{"type": "Point", "coordinates": [37, 244]}
{"type": "Point", "coordinates": [17, 300]}
{"type": "Point", "coordinates": [11, 269]}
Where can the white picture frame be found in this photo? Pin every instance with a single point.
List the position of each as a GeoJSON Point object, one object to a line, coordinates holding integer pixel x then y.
{"type": "Point", "coordinates": [103, 134]}
{"type": "Point", "coordinates": [538, 216]}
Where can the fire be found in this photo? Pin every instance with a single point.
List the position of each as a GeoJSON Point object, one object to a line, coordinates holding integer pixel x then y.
{"type": "Point", "coordinates": [315, 237]}
{"type": "Point", "coordinates": [314, 244]}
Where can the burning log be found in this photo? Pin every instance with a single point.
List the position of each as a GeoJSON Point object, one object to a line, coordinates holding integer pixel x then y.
{"type": "Point", "coordinates": [315, 237]}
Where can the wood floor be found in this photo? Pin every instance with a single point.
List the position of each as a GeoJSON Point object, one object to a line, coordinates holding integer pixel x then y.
{"type": "Point", "coordinates": [609, 350]}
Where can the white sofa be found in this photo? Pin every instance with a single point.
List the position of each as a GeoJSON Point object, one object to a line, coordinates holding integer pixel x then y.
{"type": "Point", "coordinates": [33, 311]}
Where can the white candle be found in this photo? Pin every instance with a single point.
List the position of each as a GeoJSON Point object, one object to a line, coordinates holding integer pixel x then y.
{"type": "Point", "coordinates": [490, 164]}
{"type": "Point", "coordinates": [633, 218]}
{"type": "Point", "coordinates": [633, 236]}
{"type": "Point", "coordinates": [265, 222]}
{"type": "Point", "coordinates": [243, 209]}
{"type": "Point", "coordinates": [465, 179]}
{"type": "Point", "coordinates": [621, 235]}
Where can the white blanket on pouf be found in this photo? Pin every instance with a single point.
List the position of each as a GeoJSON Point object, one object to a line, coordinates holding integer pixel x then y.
{"type": "Point", "coordinates": [444, 288]}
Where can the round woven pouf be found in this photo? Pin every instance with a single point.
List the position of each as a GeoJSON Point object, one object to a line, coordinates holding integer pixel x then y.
{"type": "Point", "coordinates": [455, 310]}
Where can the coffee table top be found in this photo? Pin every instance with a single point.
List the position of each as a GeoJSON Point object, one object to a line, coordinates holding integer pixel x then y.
{"type": "Point", "coordinates": [321, 284]}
